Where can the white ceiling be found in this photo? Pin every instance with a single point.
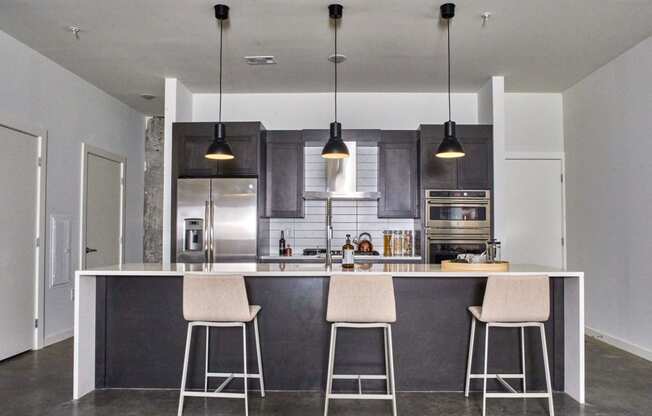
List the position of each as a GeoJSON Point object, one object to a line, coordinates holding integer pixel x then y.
{"type": "Point", "coordinates": [128, 47]}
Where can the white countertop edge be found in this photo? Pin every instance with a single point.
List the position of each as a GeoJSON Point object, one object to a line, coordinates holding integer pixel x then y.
{"type": "Point", "coordinates": [310, 270]}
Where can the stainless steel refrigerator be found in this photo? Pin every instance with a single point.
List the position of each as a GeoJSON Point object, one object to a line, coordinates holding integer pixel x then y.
{"type": "Point", "coordinates": [216, 220]}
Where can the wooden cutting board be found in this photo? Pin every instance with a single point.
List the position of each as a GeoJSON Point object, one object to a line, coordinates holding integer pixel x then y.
{"type": "Point", "coordinates": [449, 266]}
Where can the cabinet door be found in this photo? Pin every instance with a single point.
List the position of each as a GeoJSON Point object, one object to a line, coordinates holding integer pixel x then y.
{"type": "Point", "coordinates": [436, 173]}
{"type": "Point", "coordinates": [244, 139]}
{"type": "Point", "coordinates": [284, 178]}
{"type": "Point", "coordinates": [397, 175]}
{"type": "Point", "coordinates": [190, 142]}
{"type": "Point", "coordinates": [245, 163]}
{"type": "Point", "coordinates": [475, 168]}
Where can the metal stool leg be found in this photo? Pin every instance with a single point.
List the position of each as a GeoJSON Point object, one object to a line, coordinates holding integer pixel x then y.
{"type": "Point", "coordinates": [208, 335]}
{"type": "Point", "coordinates": [244, 366]}
{"type": "Point", "coordinates": [185, 370]}
{"type": "Point", "coordinates": [470, 358]}
{"type": "Point", "coordinates": [386, 362]}
{"type": "Point", "coordinates": [260, 360]}
{"type": "Point", "coordinates": [484, 384]}
{"type": "Point", "coordinates": [329, 375]}
{"type": "Point", "coordinates": [523, 359]}
{"type": "Point", "coordinates": [391, 367]}
{"type": "Point", "coordinates": [544, 348]}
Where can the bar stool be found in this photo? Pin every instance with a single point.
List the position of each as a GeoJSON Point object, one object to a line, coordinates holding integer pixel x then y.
{"type": "Point", "coordinates": [512, 302]}
{"type": "Point", "coordinates": [361, 302]}
{"type": "Point", "coordinates": [218, 301]}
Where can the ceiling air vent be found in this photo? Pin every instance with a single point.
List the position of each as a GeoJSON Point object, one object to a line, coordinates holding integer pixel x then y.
{"type": "Point", "coordinates": [260, 60]}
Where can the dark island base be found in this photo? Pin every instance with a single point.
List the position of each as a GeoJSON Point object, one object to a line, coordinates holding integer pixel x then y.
{"type": "Point", "coordinates": [141, 336]}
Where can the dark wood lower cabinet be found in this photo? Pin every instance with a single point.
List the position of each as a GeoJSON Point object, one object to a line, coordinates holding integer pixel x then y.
{"type": "Point", "coordinates": [284, 175]}
{"type": "Point", "coordinates": [398, 174]}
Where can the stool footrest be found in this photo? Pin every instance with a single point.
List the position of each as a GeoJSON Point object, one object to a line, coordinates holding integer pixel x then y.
{"type": "Point", "coordinates": [212, 394]}
{"type": "Point", "coordinates": [364, 396]}
{"type": "Point", "coordinates": [359, 377]}
{"type": "Point", "coordinates": [518, 395]}
{"type": "Point", "coordinates": [233, 375]}
{"type": "Point", "coordinates": [481, 376]}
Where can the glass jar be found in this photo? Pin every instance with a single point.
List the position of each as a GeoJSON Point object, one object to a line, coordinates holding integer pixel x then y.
{"type": "Point", "coordinates": [387, 243]}
{"type": "Point", "coordinates": [399, 243]}
{"type": "Point", "coordinates": [407, 243]}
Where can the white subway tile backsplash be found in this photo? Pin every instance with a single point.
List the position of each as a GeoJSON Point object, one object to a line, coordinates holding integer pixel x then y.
{"type": "Point", "coordinates": [349, 217]}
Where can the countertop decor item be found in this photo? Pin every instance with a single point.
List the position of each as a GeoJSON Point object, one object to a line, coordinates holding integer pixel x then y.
{"type": "Point", "coordinates": [455, 266]}
{"type": "Point", "coordinates": [335, 148]}
{"type": "Point", "coordinates": [450, 147]}
{"type": "Point", "coordinates": [219, 148]}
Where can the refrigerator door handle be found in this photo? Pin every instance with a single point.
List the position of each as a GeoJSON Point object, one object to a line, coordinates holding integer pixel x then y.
{"type": "Point", "coordinates": [207, 237]}
{"type": "Point", "coordinates": [212, 257]}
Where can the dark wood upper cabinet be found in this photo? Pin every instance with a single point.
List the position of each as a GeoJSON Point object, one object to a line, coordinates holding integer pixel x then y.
{"type": "Point", "coordinates": [398, 174]}
{"type": "Point", "coordinates": [191, 140]}
{"type": "Point", "coordinates": [473, 171]}
{"type": "Point", "coordinates": [284, 174]}
{"type": "Point", "coordinates": [189, 144]}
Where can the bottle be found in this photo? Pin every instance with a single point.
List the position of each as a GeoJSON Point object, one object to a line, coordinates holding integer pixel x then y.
{"type": "Point", "coordinates": [347, 253]}
{"type": "Point", "coordinates": [281, 244]}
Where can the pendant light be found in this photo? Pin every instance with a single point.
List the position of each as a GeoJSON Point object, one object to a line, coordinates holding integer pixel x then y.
{"type": "Point", "coordinates": [450, 147]}
{"type": "Point", "coordinates": [219, 148]}
{"type": "Point", "coordinates": [335, 148]}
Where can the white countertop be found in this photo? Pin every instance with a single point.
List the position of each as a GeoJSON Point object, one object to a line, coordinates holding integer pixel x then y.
{"type": "Point", "coordinates": [360, 257]}
{"type": "Point", "coordinates": [310, 269]}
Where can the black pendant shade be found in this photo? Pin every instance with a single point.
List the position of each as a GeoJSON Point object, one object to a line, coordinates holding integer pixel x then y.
{"type": "Point", "coordinates": [335, 148]}
{"type": "Point", "coordinates": [219, 148]}
{"type": "Point", "coordinates": [450, 147]}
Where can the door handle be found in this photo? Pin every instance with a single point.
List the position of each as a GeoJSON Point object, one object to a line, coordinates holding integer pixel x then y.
{"type": "Point", "coordinates": [90, 250]}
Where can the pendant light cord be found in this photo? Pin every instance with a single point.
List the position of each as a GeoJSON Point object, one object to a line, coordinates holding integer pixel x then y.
{"type": "Point", "coordinates": [335, 64]}
{"type": "Point", "coordinates": [220, 105]}
{"type": "Point", "coordinates": [448, 21]}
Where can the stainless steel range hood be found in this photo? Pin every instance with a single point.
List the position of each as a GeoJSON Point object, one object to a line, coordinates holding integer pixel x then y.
{"type": "Point", "coordinates": [341, 180]}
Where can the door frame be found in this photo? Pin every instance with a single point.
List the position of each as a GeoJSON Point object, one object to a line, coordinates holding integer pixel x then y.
{"type": "Point", "coordinates": [561, 157]}
{"type": "Point", "coordinates": [87, 150]}
{"type": "Point", "coordinates": [11, 122]}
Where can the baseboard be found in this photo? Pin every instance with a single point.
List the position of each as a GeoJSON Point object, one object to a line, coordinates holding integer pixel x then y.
{"type": "Point", "coordinates": [57, 337]}
{"type": "Point", "coordinates": [620, 343]}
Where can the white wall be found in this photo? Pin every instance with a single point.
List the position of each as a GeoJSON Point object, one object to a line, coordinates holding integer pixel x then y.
{"type": "Point", "coordinates": [400, 111]}
{"type": "Point", "coordinates": [534, 122]}
{"type": "Point", "coordinates": [608, 138]}
{"type": "Point", "coordinates": [45, 95]}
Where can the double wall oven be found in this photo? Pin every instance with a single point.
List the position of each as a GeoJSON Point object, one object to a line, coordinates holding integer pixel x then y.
{"type": "Point", "coordinates": [456, 222]}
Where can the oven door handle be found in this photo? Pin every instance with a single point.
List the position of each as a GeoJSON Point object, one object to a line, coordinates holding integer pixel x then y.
{"type": "Point", "coordinates": [458, 204]}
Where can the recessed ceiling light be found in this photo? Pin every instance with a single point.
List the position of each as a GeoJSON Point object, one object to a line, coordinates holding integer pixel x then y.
{"type": "Point", "coordinates": [260, 60]}
{"type": "Point", "coordinates": [147, 97]}
{"type": "Point", "coordinates": [337, 59]}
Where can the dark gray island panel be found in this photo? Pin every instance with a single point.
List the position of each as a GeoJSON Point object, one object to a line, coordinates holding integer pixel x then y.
{"type": "Point", "coordinates": [140, 336]}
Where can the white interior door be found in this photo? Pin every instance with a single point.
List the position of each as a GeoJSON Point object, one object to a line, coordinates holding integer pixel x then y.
{"type": "Point", "coordinates": [534, 213]}
{"type": "Point", "coordinates": [18, 253]}
{"type": "Point", "coordinates": [103, 223]}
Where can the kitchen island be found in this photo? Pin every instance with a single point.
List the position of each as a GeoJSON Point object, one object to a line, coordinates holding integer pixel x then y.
{"type": "Point", "coordinates": [130, 331]}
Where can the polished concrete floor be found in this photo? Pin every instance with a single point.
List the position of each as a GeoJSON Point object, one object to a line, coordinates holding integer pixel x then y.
{"type": "Point", "coordinates": [40, 383]}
